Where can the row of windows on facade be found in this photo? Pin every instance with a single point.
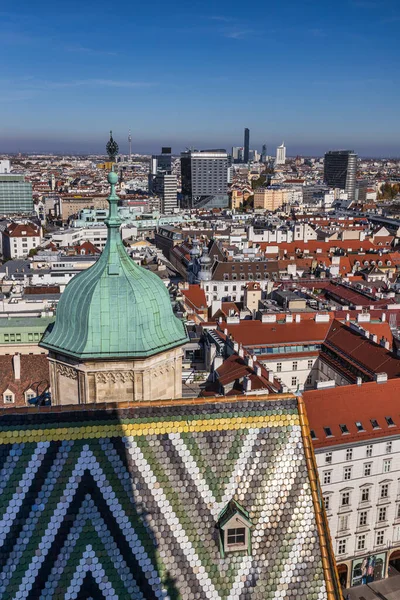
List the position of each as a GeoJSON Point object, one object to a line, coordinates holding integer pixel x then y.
{"type": "Point", "coordinates": [17, 337]}
{"type": "Point", "coordinates": [342, 544]}
{"type": "Point", "coordinates": [364, 517]}
{"type": "Point", "coordinates": [9, 397]}
{"type": "Point", "coordinates": [365, 496]}
{"type": "Point", "coordinates": [368, 452]}
{"type": "Point", "coordinates": [360, 427]}
{"type": "Point", "coordinates": [367, 471]}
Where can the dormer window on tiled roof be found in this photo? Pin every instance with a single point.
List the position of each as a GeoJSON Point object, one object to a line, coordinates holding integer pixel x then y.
{"type": "Point", "coordinates": [344, 428]}
{"type": "Point", "coordinates": [375, 424]}
{"type": "Point", "coordinates": [359, 426]}
{"type": "Point", "coordinates": [390, 421]}
{"type": "Point", "coordinates": [328, 432]}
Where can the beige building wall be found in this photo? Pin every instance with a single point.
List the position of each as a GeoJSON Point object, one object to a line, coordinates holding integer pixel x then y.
{"type": "Point", "coordinates": [269, 199]}
{"type": "Point", "coordinates": [71, 206]}
{"type": "Point", "coordinates": [155, 378]}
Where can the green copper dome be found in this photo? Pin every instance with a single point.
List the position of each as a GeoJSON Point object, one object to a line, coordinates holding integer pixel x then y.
{"type": "Point", "coordinates": [114, 309]}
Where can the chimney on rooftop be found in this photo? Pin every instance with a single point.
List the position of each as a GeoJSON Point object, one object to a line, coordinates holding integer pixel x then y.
{"type": "Point", "coordinates": [381, 377]}
{"type": "Point", "coordinates": [246, 384]}
{"type": "Point", "coordinates": [249, 361]}
{"type": "Point", "coordinates": [383, 317]}
{"type": "Point", "coordinates": [359, 381]}
{"type": "Point", "coordinates": [241, 352]}
{"type": "Point", "coordinates": [258, 369]}
{"type": "Point", "coordinates": [271, 376]}
{"type": "Point", "coordinates": [17, 366]}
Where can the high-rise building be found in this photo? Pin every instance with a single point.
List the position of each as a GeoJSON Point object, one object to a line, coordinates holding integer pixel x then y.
{"type": "Point", "coordinates": [165, 186]}
{"type": "Point", "coordinates": [237, 154]}
{"type": "Point", "coordinates": [340, 171]}
{"type": "Point", "coordinates": [205, 178]}
{"type": "Point", "coordinates": [15, 195]}
{"type": "Point", "coordinates": [281, 154]}
{"type": "Point", "coordinates": [246, 145]}
{"type": "Point", "coordinates": [264, 155]}
{"type": "Point", "coordinates": [160, 164]}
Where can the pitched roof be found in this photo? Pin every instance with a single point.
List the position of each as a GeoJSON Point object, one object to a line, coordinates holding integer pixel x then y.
{"type": "Point", "coordinates": [255, 333]}
{"type": "Point", "coordinates": [196, 297]}
{"type": "Point", "coordinates": [346, 405]}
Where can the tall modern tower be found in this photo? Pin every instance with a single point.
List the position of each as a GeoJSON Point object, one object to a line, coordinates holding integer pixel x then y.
{"type": "Point", "coordinates": [246, 145]}
{"type": "Point", "coordinates": [205, 178]}
{"type": "Point", "coordinates": [130, 145]}
{"type": "Point", "coordinates": [340, 170]}
{"type": "Point", "coordinates": [281, 154]}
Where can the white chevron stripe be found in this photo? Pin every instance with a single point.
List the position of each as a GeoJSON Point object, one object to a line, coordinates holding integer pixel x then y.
{"type": "Point", "coordinates": [18, 497]}
{"type": "Point", "coordinates": [199, 481]}
{"type": "Point", "coordinates": [79, 575]}
{"type": "Point", "coordinates": [34, 516]}
{"type": "Point", "coordinates": [172, 520]}
{"type": "Point", "coordinates": [276, 479]}
{"type": "Point", "coordinates": [89, 511]}
{"type": "Point", "coordinates": [87, 462]}
{"type": "Point", "coordinates": [293, 559]}
{"type": "Point", "coordinates": [9, 466]}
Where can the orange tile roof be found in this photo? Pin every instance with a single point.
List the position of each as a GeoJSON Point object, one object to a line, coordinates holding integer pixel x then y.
{"type": "Point", "coordinates": [196, 297]}
{"type": "Point", "coordinates": [344, 405]}
{"type": "Point", "coordinates": [254, 333]}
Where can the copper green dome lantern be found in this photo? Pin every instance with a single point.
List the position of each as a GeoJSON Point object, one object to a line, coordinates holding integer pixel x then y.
{"type": "Point", "coordinates": [114, 309]}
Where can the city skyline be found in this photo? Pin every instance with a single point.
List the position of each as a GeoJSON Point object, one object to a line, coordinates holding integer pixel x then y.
{"type": "Point", "coordinates": [214, 79]}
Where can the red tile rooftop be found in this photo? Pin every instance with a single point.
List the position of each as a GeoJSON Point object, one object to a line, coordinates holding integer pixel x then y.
{"type": "Point", "coordinates": [351, 404]}
{"type": "Point", "coordinates": [255, 333]}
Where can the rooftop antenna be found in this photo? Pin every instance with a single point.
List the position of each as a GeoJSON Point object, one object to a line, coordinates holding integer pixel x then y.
{"type": "Point", "coordinates": [130, 145]}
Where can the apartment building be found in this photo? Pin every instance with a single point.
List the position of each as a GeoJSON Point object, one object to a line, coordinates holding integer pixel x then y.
{"type": "Point", "coordinates": [356, 436]}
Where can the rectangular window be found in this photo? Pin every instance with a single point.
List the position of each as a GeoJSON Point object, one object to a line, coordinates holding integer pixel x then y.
{"type": "Point", "coordinates": [278, 367]}
{"type": "Point", "coordinates": [326, 501]}
{"type": "Point", "coordinates": [345, 499]}
{"type": "Point", "coordinates": [328, 458]}
{"type": "Point", "coordinates": [309, 380]}
{"type": "Point", "coordinates": [387, 465]}
{"type": "Point", "coordinates": [327, 477]}
{"type": "Point", "coordinates": [343, 523]}
{"type": "Point", "coordinates": [380, 537]}
{"type": "Point", "coordinates": [344, 429]}
{"type": "Point", "coordinates": [368, 452]}
{"type": "Point", "coordinates": [294, 381]}
{"type": "Point", "coordinates": [310, 364]}
{"type": "Point", "coordinates": [365, 493]}
{"type": "Point", "coordinates": [236, 537]}
{"type": "Point", "coordinates": [384, 491]}
{"type": "Point", "coordinates": [367, 469]}
{"type": "Point", "coordinates": [8, 399]}
{"type": "Point", "coordinates": [347, 473]}
{"type": "Point", "coordinates": [294, 365]}
{"type": "Point", "coordinates": [341, 548]}
{"type": "Point", "coordinates": [390, 421]}
{"type": "Point", "coordinates": [375, 424]}
{"type": "Point", "coordinates": [328, 432]}
{"type": "Point", "coordinates": [382, 514]}
{"type": "Point", "coordinates": [398, 512]}
{"type": "Point", "coordinates": [359, 426]}
{"type": "Point", "coordinates": [361, 542]}
{"type": "Point", "coordinates": [363, 518]}
{"type": "Point", "coordinates": [389, 447]}
{"type": "Point", "coordinates": [349, 453]}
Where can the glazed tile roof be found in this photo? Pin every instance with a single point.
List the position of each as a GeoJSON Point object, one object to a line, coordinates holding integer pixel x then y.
{"type": "Point", "coordinates": [124, 502]}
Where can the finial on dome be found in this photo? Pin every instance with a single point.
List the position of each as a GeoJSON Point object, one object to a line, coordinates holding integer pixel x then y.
{"type": "Point", "coordinates": [112, 148]}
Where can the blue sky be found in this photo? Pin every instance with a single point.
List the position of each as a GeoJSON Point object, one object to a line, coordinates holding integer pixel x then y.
{"type": "Point", "coordinates": [317, 74]}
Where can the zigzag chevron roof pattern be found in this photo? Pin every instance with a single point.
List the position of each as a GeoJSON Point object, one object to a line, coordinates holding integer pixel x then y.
{"type": "Point", "coordinates": [124, 504]}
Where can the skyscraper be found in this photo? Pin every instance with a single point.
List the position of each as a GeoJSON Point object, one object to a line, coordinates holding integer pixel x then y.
{"type": "Point", "coordinates": [281, 154]}
{"type": "Point", "coordinates": [161, 180]}
{"type": "Point", "coordinates": [340, 170]}
{"type": "Point", "coordinates": [205, 178]}
{"type": "Point", "coordinates": [246, 145]}
{"type": "Point", "coordinates": [263, 157]}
